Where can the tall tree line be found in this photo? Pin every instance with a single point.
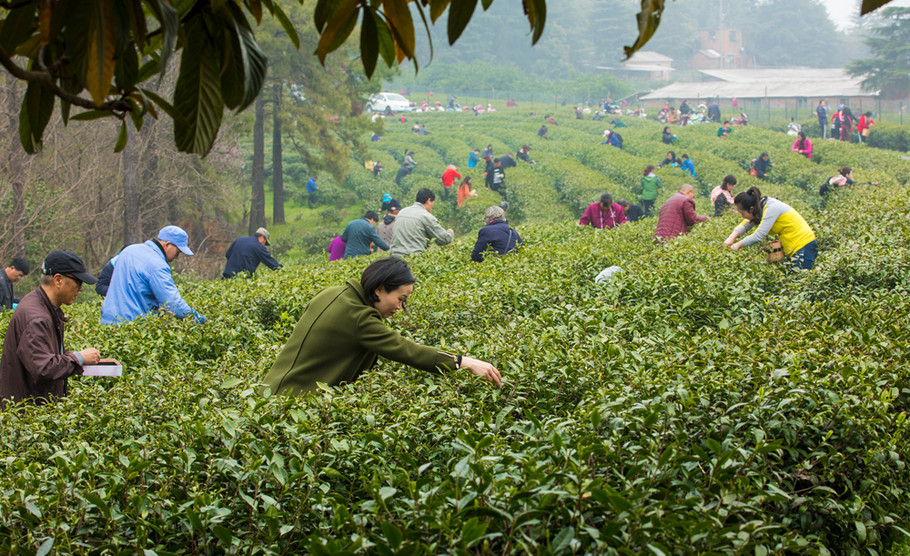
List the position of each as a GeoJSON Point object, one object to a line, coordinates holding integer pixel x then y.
{"type": "Point", "coordinates": [583, 34]}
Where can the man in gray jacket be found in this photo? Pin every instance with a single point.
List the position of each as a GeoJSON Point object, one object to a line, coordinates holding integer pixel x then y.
{"type": "Point", "coordinates": [415, 227]}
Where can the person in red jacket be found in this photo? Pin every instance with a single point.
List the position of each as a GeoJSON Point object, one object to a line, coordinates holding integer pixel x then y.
{"type": "Point", "coordinates": [863, 125]}
{"type": "Point", "coordinates": [448, 179]}
{"type": "Point", "coordinates": [605, 214]}
{"type": "Point", "coordinates": [677, 215]}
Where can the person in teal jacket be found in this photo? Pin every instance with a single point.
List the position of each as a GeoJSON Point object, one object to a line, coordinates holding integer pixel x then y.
{"type": "Point", "coordinates": [360, 234]}
{"type": "Point", "coordinates": [342, 332]}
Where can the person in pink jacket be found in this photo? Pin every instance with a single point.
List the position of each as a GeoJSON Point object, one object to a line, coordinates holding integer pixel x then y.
{"type": "Point", "coordinates": [605, 214]}
{"type": "Point", "coordinates": [803, 145]}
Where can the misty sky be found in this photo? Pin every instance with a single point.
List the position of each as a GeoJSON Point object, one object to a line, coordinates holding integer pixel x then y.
{"type": "Point", "coordinates": [843, 11]}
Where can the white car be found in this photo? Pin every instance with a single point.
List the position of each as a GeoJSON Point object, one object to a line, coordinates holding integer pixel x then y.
{"type": "Point", "coordinates": [380, 101]}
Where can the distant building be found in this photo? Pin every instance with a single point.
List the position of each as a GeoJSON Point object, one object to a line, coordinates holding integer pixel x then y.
{"type": "Point", "coordinates": [721, 49]}
{"type": "Point", "coordinates": [643, 66]}
{"type": "Point", "coordinates": [797, 88]}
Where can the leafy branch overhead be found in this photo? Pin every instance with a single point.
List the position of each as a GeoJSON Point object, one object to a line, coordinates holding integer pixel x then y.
{"type": "Point", "coordinates": [105, 56]}
{"type": "Point", "coordinates": [388, 29]}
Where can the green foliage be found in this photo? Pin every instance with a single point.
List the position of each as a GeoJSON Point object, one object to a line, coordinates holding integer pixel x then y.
{"type": "Point", "coordinates": [888, 71]}
{"type": "Point", "coordinates": [701, 402]}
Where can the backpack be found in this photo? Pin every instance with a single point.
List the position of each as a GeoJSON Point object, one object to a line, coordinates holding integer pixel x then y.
{"type": "Point", "coordinates": [825, 189]}
{"type": "Point", "coordinates": [618, 139]}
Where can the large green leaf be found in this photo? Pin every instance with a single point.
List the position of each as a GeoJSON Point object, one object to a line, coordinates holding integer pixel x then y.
{"type": "Point", "coordinates": [17, 27]}
{"type": "Point", "coordinates": [138, 27]}
{"type": "Point", "coordinates": [369, 42]}
{"type": "Point", "coordinates": [286, 24]}
{"type": "Point", "coordinates": [386, 43]}
{"type": "Point", "coordinates": [36, 110]}
{"type": "Point", "coordinates": [122, 138]}
{"type": "Point", "coordinates": [126, 72]}
{"type": "Point", "coordinates": [197, 97]}
{"type": "Point", "coordinates": [338, 28]}
{"type": "Point", "coordinates": [398, 14]}
{"type": "Point", "coordinates": [170, 26]}
{"type": "Point", "coordinates": [459, 15]}
{"type": "Point", "coordinates": [437, 8]}
{"type": "Point", "coordinates": [101, 48]}
{"type": "Point", "coordinates": [648, 21]}
{"type": "Point", "coordinates": [537, 17]}
{"type": "Point", "coordinates": [870, 6]}
{"type": "Point", "coordinates": [252, 62]}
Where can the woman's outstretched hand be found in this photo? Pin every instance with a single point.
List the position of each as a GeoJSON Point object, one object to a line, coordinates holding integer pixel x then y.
{"type": "Point", "coordinates": [482, 369]}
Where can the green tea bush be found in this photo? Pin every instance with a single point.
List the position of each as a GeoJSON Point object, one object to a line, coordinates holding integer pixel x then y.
{"type": "Point", "coordinates": [701, 401]}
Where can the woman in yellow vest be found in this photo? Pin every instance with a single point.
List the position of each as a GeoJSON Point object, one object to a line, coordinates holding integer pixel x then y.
{"type": "Point", "coordinates": [770, 216]}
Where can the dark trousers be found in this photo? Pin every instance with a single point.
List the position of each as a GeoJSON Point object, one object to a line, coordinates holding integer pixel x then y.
{"type": "Point", "coordinates": [311, 199]}
{"type": "Point", "coordinates": [646, 206]}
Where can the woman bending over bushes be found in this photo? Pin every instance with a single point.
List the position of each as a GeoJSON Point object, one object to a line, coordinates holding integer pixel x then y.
{"type": "Point", "coordinates": [770, 216]}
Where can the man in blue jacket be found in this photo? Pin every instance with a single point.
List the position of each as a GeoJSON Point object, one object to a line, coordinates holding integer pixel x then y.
{"type": "Point", "coordinates": [143, 282]}
{"type": "Point", "coordinates": [496, 235]}
{"type": "Point", "coordinates": [247, 252]}
{"type": "Point", "coordinates": [360, 233]}
{"type": "Point", "coordinates": [311, 190]}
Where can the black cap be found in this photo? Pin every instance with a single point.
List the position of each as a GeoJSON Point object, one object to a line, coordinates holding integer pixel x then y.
{"type": "Point", "coordinates": [394, 204]}
{"type": "Point", "coordinates": [66, 262]}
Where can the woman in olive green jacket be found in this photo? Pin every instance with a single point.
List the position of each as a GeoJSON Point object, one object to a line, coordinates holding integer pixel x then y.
{"type": "Point", "coordinates": [650, 183]}
{"type": "Point", "coordinates": [341, 333]}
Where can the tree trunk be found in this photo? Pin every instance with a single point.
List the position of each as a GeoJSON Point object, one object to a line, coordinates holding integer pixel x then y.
{"type": "Point", "coordinates": [129, 177]}
{"type": "Point", "coordinates": [277, 172]}
{"type": "Point", "coordinates": [16, 169]}
{"type": "Point", "coordinates": [257, 198]}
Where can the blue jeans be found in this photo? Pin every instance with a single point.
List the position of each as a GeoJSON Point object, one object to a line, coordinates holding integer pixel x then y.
{"type": "Point", "coordinates": [804, 259]}
{"type": "Point", "coordinates": [823, 124]}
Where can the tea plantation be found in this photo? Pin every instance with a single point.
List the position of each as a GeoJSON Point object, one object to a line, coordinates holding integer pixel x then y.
{"type": "Point", "coordinates": [703, 402]}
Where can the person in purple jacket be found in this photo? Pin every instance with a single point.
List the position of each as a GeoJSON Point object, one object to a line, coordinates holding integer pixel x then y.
{"type": "Point", "coordinates": [604, 214]}
{"type": "Point", "coordinates": [336, 249]}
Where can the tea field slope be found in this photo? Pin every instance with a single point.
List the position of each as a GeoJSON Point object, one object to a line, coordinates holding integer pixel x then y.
{"type": "Point", "coordinates": [701, 402]}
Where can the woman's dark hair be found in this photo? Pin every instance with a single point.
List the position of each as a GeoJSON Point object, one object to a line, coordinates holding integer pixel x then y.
{"type": "Point", "coordinates": [667, 129]}
{"type": "Point", "coordinates": [845, 170]}
{"type": "Point", "coordinates": [763, 155]}
{"type": "Point", "coordinates": [465, 180]}
{"type": "Point", "coordinates": [802, 136]}
{"type": "Point", "coordinates": [671, 155]}
{"type": "Point", "coordinates": [606, 199]}
{"type": "Point", "coordinates": [648, 169]}
{"type": "Point", "coordinates": [750, 201]}
{"type": "Point", "coordinates": [730, 180]}
{"type": "Point", "coordinates": [390, 273]}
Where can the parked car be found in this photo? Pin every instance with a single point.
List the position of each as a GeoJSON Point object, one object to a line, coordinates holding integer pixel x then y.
{"type": "Point", "coordinates": [380, 101]}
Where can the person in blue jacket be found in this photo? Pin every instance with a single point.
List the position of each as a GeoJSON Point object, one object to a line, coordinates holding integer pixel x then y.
{"type": "Point", "coordinates": [143, 282]}
{"type": "Point", "coordinates": [246, 253]}
{"type": "Point", "coordinates": [311, 190]}
{"type": "Point", "coordinates": [360, 233]}
{"type": "Point", "coordinates": [687, 165]}
{"type": "Point", "coordinates": [495, 235]}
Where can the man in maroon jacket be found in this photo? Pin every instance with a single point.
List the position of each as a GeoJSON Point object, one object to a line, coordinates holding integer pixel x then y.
{"type": "Point", "coordinates": [677, 215]}
{"type": "Point", "coordinates": [34, 365]}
